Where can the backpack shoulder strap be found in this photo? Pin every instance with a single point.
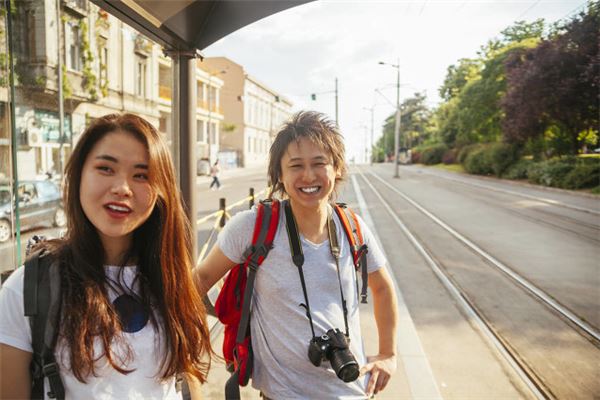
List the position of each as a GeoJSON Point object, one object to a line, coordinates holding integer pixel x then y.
{"type": "Point", "coordinates": [42, 301]}
{"type": "Point", "coordinates": [358, 248]}
{"type": "Point", "coordinates": [265, 228]}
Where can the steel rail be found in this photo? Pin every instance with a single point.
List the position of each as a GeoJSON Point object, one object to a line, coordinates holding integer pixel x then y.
{"type": "Point", "coordinates": [536, 388]}
{"type": "Point", "coordinates": [512, 192]}
{"type": "Point", "coordinates": [530, 287]}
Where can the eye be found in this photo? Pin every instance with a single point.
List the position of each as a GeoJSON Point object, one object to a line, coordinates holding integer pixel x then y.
{"type": "Point", "coordinates": [104, 168]}
{"type": "Point", "coordinates": [141, 176]}
{"type": "Point", "coordinates": [295, 166]}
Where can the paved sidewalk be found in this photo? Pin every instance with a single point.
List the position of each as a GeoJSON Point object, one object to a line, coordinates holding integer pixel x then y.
{"type": "Point", "coordinates": [233, 173]}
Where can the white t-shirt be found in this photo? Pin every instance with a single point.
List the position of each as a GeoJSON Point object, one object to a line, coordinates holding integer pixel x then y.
{"type": "Point", "coordinates": [279, 326]}
{"type": "Point", "coordinates": [144, 340]}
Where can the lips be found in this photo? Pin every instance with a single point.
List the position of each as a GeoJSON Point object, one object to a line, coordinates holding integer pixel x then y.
{"type": "Point", "coordinates": [310, 189]}
{"type": "Point", "coordinates": [117, 210]}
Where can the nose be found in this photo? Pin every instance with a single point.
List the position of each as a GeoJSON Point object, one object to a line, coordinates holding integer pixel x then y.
{"type": "Point", "coordinates": [308, 174]}
{"type": "Point", "coordinates": [121, 187]}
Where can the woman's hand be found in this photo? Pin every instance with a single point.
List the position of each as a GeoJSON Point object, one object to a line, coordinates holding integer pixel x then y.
{"type": "Point", "coordinates": [381, 368]}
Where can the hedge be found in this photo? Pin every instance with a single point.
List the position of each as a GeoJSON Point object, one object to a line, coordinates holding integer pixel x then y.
{"type": "Point", "coordinates": [433, 154]}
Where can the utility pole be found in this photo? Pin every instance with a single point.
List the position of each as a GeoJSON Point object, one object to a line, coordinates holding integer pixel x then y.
{"type": "Point", "coordinates": [372, 111]}
{"type": "Point", "coordinates": [337, 117]}
{"type": "Point", "coordinates": [397, 124]}
{"type": "Point", "coordinates": [398, 116]}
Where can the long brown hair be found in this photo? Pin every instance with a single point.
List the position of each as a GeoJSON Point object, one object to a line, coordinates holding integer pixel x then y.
{"type": "Point", "coordinates": [317, 128]}
{"type": "Point", "coordinates": [161, 246]}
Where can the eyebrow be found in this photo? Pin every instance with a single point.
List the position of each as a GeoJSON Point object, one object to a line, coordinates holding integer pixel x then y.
{"type": "Point", "coordinates": [113, 159]}
{"type": "Point", "coordinates": [320, 158]}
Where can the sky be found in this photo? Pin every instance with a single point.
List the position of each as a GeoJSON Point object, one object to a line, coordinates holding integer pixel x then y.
{"type": "Point", "coordinates": [304, 49]}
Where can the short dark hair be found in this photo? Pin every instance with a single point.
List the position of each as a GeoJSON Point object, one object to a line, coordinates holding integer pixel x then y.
{"type": "Point", "coordinates": [317, 128]}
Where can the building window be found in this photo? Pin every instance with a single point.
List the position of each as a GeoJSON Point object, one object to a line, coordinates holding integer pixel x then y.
{"type": "Point", "coordinates": [200, 135]}
{"type": "Point", "coordinates": [213, 133]}
{"type": "Point", "coordinates": [74, 50]}
{"type": "Point", "coordinates": [140, 75]}
{"type": "Point", "coordinates": [31, 34]}
{"type": "Point", "coordinates": [103, 68]}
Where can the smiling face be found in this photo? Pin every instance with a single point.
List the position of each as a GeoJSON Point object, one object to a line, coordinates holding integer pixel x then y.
{"type": "Point", "coordinates": [307, 174]}
{"type": "Point", "coordinates": [115, 192]}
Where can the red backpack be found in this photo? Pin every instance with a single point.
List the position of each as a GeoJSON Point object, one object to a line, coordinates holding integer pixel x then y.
{"type": "Point", "coordinates": [233, 303]}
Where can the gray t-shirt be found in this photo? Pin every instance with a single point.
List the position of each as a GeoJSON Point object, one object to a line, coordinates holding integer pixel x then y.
{"type": "Point", "coordinates": [280, 328]}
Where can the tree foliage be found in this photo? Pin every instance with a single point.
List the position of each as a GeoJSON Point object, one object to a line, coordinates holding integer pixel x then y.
{"type": "Point", "coordinates": [415, 124]}
{"type": "Point", "coordinates": [553, 89]}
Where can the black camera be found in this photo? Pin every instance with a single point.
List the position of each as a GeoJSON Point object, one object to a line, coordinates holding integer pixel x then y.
{"type": "Point", "coordinates": [333, 346]}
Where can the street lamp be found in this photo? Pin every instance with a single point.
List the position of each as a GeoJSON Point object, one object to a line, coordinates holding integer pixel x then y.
{"type": "Point", "coordinates": [209, 138]}
{"type": "Point", "coordinates": [397, 124]}
{"type": "Point", "coordinates": [372, 110]}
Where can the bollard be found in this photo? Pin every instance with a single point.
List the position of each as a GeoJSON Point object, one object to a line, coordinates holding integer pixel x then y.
{"type": "Point", "coordinates": [222, 208]}
{"type": "Point", "coordinates": [251, 197]}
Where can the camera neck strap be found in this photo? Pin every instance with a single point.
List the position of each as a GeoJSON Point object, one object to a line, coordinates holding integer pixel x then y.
{"type": "Point", "coordinates": [298, 259]}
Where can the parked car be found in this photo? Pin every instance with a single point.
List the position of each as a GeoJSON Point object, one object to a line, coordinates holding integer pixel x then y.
{"type": "Point", "coordinates": [40, 203]}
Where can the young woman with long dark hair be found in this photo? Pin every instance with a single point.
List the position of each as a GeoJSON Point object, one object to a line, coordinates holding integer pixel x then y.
{"type": "Point", "coordinates": [131, 318]}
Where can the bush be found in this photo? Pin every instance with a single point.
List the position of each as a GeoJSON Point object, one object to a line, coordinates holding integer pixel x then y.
{"type": "Point", "coordinates": [549, 173]}
{"type": "Point", "coordinates": [464, 152]}
{"type": "Point", "coordinates": [479, 162]}
{"type": "Point", "coordinates": [502, 155]}
{"type": "Point", "coordinates": [415, 156]}
{"type": "Point", "coordinates": [433, 154]}
{"type": "Point", "coordinates": [449, 156]}
{"type": "Point", "coordinates": [581, 177]}
{"type": "Point", "coordinates": [518, 170]}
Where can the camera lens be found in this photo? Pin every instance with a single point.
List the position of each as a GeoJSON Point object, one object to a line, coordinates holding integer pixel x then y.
{"type": "Point", "coordinates": [347, 372]}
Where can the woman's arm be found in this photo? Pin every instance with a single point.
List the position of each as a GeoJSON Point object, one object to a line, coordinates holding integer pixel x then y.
{"type": "Point", "coordinates": [385, 305]}
{"type": "Point", "coordinates": [14, 364]}
{"type": "Point", "coordinates": [211, 269]}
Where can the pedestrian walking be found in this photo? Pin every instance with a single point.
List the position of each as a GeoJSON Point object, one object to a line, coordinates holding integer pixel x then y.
{"type": "Point", "coordinates": [302, 351]}
{"type": "Point", "coordinates": [214, 172]}
{"type": "Point", "coordinates": [130, 318]}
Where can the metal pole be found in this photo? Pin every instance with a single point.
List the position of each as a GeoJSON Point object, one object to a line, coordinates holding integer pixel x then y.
{"type": "Point", "coordinates": [337, 117]}
{"type": "Point", "coordinates": [222, 207]}
{"type": "Point", "coordinates": [372, 128]}
{"type": "Point", "coordinates": [251, 204]}
{"type": "Point", "coordinates": [397, 124]}
{"type": "Point", "coordinates": [61, 106]}
{"type": "Point", "coordinates": [184, 121]}
{"type": "Point", "coordinates": [14, 144]}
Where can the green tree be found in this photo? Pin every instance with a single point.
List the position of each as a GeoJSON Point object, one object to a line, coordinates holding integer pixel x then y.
{"type": "Point", "coordinates": [472, 90]}
{"type": "Point", "coordinates": [553, 88]}
{"type": "Point", "coordinates": [415, 124]}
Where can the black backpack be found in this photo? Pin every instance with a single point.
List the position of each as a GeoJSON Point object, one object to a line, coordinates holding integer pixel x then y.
{"type": "Point", "coordinates": [42, 303]}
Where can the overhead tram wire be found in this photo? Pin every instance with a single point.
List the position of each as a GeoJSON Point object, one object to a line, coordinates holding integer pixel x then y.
{"type": "Point", "coordinates": [528, 9]}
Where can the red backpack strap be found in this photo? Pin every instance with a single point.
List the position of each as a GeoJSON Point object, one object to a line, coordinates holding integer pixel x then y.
{"type": "Point", "coordinates": [265, 227]}
{"type": "Point", "coordinates": [358, 248]}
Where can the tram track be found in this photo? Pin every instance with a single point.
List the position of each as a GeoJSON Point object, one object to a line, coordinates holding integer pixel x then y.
{"type": "Point", "coordinates": [519, 194]}
{"type": "Point", "coordinates": [581, 228]}
{"type": "Point", "coordinates": [527, 370]}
